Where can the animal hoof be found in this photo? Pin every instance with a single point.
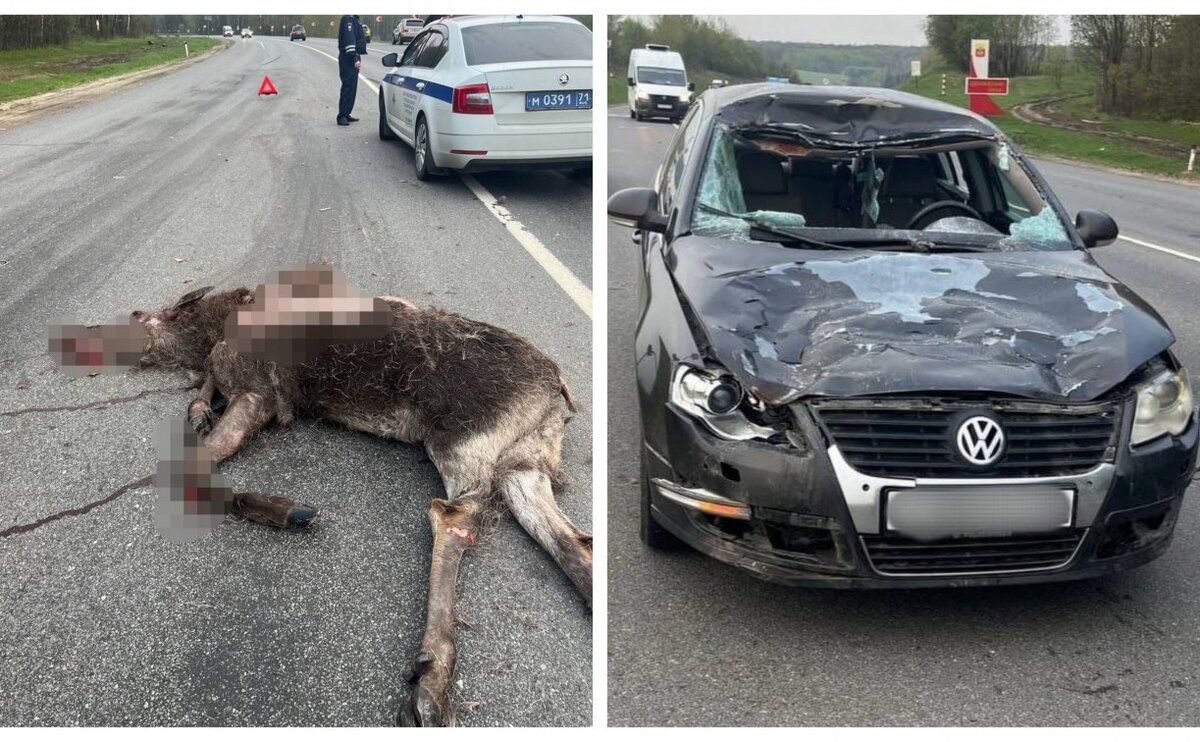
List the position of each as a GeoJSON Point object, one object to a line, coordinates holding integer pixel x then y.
{"type": "Point", "coordinates": [202, 423]}
{"type": "Point", "coordinates": [418, 709]}
{"type": "Point", "coordinates": [301, 516]}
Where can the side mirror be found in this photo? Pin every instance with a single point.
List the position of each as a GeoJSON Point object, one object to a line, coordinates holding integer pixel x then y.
{"type": "Point", "coordinates": [637, 208]}
{"type": "Point", "coordinates": [630, 81]}
{"type": "Point", "coordinates": [1096, 228]}
{"type": "Point", "coordinates": [691, 86]}
{"type": "Point", "coordinates": [391, 60]}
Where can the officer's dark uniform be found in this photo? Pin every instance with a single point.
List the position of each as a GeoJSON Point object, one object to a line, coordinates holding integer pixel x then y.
{"type": "Point", "coordinates": [351, 45]}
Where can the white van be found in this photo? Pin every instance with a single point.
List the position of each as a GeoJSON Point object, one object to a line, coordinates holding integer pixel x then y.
{"type": "Point", "coordinates": [658, 84]}
{"type": "Point", "coordinates": [227, 31]}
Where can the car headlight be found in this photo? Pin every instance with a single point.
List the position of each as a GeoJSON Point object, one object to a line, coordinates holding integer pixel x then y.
{"type": "Point", "coordinates": [714, 398]}
{"type": "Point", "coordinates": [1164, 406]}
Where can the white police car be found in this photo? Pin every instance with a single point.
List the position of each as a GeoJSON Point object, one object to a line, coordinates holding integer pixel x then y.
{"type": "Point", "coordinates": [492, 93]}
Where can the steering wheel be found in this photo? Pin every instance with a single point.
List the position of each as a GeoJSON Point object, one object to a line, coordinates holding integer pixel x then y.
{"type": "Point", "coordinates": [939, 206]}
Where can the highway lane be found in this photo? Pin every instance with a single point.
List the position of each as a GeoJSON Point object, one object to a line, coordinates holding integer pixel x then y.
{"type": "Point", "coordinates": [692, 641]}
{"type": "Point", "coordinates": [103, 622]}
{"type": "Point", "coordinates": [554, 205]}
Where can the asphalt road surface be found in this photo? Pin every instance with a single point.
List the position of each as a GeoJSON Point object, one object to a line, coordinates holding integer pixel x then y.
{"type": "Point", "coordinates": [104, 622]}
{"type": "Point", "coordinates": [693, 641]}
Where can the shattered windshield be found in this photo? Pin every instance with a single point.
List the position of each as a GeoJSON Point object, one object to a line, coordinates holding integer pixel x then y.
{"type": "Point", "coordinates": [943, 191]}
{"type": "Point", "coordinates": [661, 76]}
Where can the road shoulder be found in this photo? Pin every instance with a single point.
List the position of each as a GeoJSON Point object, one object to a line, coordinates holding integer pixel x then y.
{"type": "Point", "coordinates": [24, 110]}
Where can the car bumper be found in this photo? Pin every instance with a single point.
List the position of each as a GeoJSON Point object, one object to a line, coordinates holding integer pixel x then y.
{"type": "Point", "coordinates": [652, 109]}
{"type": "Point", "coordinates": [796, 528]}
{"type": "Point", "coordinates": [526, 148]}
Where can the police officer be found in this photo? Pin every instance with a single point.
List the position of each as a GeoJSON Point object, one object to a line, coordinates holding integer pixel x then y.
{"type": "Point", "coordinates": [352, 44]}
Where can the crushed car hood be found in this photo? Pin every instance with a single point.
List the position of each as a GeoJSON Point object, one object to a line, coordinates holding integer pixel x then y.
{"type": "Point", "coordinates": [1049, 325]}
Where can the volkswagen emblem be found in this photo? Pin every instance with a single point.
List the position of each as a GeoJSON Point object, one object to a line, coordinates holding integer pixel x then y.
{"type": "Point", "coordinates": [564, 78]}
{"type": "Point", "coordinates": [980, 440]}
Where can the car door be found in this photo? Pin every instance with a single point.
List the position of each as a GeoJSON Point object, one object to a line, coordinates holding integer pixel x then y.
{"type": "Point", "coordinates": [434, 83]}
{"type": "Point", "coordinates": [402, 106]}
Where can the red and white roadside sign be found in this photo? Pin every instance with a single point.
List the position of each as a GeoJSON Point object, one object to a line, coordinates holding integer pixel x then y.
{"type": "Point", "coordinates": [987, 86]}
{"type": "Point", "coordinates": [980, 87]}
{"type": "Point", "coordinates": [379, 19]}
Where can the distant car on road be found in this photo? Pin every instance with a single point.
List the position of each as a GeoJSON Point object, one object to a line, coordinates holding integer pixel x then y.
{"type": "Point", "coordinates": [658, 84]}
{"type": "Point", "coordinates": [492, 93]}
{"type": "Point", "coordinates": [227, 31]}
{"type": "Point", "coordinates": [407, 30]}
{"type": "Point", "coordinates": [247, 33]}
{"type": "Point", "coordinates": [298, 32]}
{"type": "Point", "coordinates": [881, 354]}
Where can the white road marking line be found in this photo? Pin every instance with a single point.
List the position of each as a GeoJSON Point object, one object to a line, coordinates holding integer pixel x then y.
{"type": "Point", "coordinates": [1160, 248]}
{"type": "Point", "coordinates": [566, 280]}
{"type": "Point", "coordinates": [374, 88]}
{"type": "Point", "coordinates": [262, 45]}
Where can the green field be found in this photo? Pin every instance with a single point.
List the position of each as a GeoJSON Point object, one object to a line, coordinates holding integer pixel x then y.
{"type": "Point", "coordinates": [1083, 146]}
{"type": "Point", "coordinates": [27, 72]}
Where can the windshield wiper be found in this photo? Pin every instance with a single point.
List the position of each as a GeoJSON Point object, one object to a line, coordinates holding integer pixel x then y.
{"type": "Point", "coordinates": [775, 229]}
{"type": "Point", "coordinates": [922, 245]}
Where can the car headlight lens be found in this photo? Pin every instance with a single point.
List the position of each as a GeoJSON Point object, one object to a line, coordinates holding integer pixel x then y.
{"type": "Point", "coordinates": [643, 95]}
{"type": "Point", "coordinates": [713, 398]}
{"type": "Point", "coordinates": [1164, 406]}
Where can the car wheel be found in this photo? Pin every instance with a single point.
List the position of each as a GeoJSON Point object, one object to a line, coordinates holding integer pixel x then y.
{"type": "Point", "coordinates": [639, 116]}
{"type": "Point", "coordinates": [632, 114]}
{"type": "Point", "coordinates": [422, 154]}
{"type": "Point", "coordinates": [653, 534]}
{"type": "Point", "coordinates": [385, 131]}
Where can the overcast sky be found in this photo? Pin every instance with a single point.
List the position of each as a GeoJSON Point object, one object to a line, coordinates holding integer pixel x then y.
{"type": "Point", "coordinates": [903, 30]}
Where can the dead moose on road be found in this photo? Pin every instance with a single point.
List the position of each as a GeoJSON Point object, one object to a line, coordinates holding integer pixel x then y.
{"type": "Point", "coordinates": [489, 407]}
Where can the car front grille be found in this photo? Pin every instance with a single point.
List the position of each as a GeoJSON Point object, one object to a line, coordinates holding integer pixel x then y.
{"type": "Point", "coordinates": [888, 438]}
{"type": "Point", "coordinates": [963, 556]}
{"type": "Point", "coordinates": [664, 99]}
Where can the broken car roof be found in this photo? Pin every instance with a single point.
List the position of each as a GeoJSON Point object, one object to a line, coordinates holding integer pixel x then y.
{"type": "Point", "coordinates": [845, 115]}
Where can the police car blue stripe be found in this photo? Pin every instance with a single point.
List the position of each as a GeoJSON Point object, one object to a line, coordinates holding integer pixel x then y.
{"type": "Point", "coordinates": [433, 89]}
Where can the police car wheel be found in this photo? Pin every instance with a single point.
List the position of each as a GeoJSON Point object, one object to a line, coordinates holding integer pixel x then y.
{"type": "Point", "coordinates": [385, 131]}
{"type": "Point", "coordinates": [423, 158]}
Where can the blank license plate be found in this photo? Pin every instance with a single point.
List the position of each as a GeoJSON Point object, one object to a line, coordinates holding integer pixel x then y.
{"type": "Point", "coordinates": [558, 100]}
{"type": "Point", "coordinates": [980, 510]}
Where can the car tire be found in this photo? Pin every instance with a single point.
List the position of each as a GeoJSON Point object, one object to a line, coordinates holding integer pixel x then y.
{"type": "Point", "coordinates": [385, 131]}
{"type": "Point", "coordinates": [651, 532]}
{"type": "Point", "coordinates": [422, 154]}
{"type": "Point", "coordinates": [632, 115]}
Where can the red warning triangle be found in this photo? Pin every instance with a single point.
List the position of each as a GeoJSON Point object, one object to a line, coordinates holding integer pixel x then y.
{"type": "Point", "coordinates": [267, 88]}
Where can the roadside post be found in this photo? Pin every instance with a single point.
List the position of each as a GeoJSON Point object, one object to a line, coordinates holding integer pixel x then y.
{"type": "Point", "coordinates": [186, 55]}
{"type": "Point", "coordinates": [1191, 158]}
{"type": "Point", "coordinates": [943, 84]}
{"type": "Point", "coordinates": [979, 87]}
{"type": "Point", "coordinates": [915, 66]}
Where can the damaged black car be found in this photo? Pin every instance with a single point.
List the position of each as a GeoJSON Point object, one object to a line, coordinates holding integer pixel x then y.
{"type": "Point", "coordinates": [874, 351]}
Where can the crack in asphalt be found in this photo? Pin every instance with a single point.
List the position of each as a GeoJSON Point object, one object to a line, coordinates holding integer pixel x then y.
{"type": "Point", "coordinates": [27, 527]}
{"type": "Point", "coordinates": [99, 405]}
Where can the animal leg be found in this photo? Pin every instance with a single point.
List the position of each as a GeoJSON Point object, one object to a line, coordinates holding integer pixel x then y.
{"type": "Point", "coordinates": [455, 529]}
{"type": "Point", "coordinates": [200, 412]}
{"type": "Point", "coordinates": [244, 417]}
{"type": "Point", "coordinates": [530, 496]}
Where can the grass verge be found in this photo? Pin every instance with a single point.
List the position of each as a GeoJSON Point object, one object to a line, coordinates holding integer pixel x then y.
{"type": "Point", "coordinates": [1074, 145]}
{"type": "Point", "coordinates": [28, 72]}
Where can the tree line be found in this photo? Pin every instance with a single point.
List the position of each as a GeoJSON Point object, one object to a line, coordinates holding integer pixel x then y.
{"type": "Point", "coordinates": [32, 31]}
{"type": "Point", "coordinates": [1018, 43]}
{"type": "Point", "coordinates": [1144, 65]}
{"type": "Point", "coordinates": [705, 44]}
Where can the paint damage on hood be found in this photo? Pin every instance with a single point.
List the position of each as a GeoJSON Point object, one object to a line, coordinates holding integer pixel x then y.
{"type": "Point", "coordinates": [788, 323]}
